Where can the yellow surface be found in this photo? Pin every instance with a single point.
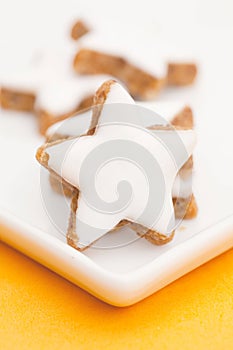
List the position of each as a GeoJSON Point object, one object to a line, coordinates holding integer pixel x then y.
{"type": "Point", "coordinates": [40, 310]}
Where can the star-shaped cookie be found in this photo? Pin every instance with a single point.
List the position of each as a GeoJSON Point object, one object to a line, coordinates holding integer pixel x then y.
{"type": "Point", "coordinates": [122, 170]}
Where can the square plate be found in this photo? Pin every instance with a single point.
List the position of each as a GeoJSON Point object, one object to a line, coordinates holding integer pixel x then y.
{"type": "Point", "coordinates": [127, 273]}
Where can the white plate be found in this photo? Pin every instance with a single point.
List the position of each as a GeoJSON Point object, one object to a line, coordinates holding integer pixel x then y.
{"type": "Point", "coordinates": [124, 275]}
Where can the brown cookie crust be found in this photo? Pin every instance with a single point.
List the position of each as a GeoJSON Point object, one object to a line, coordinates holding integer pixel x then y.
{"type": "Point", "coordinates": [181, 74]}
{"type": "Point", "coordinates": [140, 84]}
{"type": "Point", "coordinates": [78, 30]}
{"type": "Point", "coordinates": [17, 100]}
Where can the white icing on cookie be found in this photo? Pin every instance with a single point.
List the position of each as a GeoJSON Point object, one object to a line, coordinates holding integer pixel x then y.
{"type": "Point", "coordinates": [118, 94]}
{"type": "Point", "coordinates": [22, 81]}
{"type": "Point", "coordinates": [74, 126]}
{"type": "Point", "coordinates": [182, 188]}
{"type": "Point", "coordinates": [45, 66]}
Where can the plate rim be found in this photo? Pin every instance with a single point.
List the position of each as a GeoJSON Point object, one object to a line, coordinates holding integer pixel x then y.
{"type": "Point", "coordinates": [118, 289]}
